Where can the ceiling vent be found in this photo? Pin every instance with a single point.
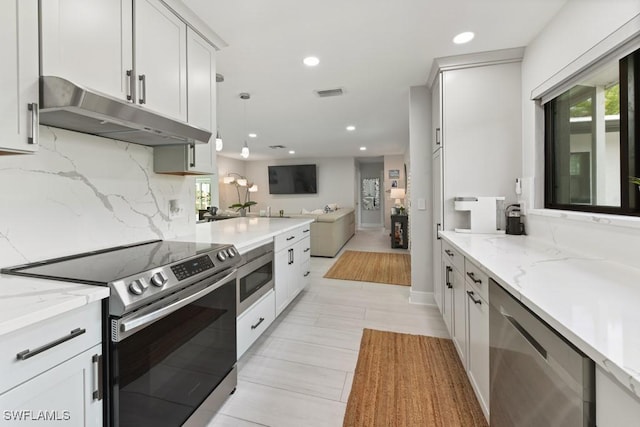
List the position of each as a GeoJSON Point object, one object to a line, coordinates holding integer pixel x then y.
{"type": "Point", "coordinates": [329, 92]}
{"type": "Point", "coordinates": [275, 147]}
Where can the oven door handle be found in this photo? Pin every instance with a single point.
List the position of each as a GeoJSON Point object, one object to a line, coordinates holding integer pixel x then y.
{"type": "Point", "coordinates": [129, 326]}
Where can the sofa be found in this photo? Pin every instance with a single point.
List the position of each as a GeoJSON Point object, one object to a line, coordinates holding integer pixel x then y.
{"type": "Point", "coordinates": [330, 231]}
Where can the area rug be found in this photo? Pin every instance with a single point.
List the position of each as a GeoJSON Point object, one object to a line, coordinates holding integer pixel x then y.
{"type": "Point", "coordinates": [410, 380]}
{"type": "Point", "coordinates": [378, 267]}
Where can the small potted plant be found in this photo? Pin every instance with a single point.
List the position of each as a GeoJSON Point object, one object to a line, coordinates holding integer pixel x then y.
{"type": "Point", "coordinates": [242, 207]}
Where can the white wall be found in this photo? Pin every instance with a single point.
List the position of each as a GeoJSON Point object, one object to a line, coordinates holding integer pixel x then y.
{"type": "Point", "coordinates": [82, 192]}
{"type": "Point", "coordinates": [578, 28]}
{"type": "Point", "coordinates": [421, 233]}
{"type": "Point", "coordinates": [335, 184]}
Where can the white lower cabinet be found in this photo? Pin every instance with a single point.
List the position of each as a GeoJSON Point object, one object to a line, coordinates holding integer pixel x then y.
{"type": "Point", "coordinates": [52, 371]}
{"type": "Point", "coordinates": [254, 321]}
{"type": "Point", "coordinates": [615, 406]}
{"type": "Point", "coordinates": [447, 295]}
{"type": "Point", "coordinates": [292, 262]}
{"type": "Point", "coordinates": [65, 394]}
{"type": "Point", "coordinates": [459, 333]}
{"type": "Point", "coordinates": [478, 346]}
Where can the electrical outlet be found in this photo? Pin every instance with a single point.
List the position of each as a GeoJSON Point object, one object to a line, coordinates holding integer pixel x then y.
{"type": "Point", "coordinates": [176, 210]}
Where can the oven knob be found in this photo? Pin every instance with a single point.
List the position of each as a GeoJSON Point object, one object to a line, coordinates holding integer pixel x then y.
{"type": "Point", "coordinates": [137, 287]}
{"type": "Point", "coordinates": [221, 256]}
{"type": "Point", "coordinates": [158, 279]}
{"type": "Point", "coordinates": [231, 252]}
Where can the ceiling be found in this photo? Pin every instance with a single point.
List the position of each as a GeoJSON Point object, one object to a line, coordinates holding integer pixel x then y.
{"type": "Point", "coordinates": [373, 49]}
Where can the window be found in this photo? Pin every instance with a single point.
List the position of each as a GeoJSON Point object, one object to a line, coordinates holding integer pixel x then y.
{"type": "Point", "coordinates": [591, 140]}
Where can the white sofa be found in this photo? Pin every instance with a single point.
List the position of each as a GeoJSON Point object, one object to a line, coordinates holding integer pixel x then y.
{"type": "Point", "coordinates": [330, 231]}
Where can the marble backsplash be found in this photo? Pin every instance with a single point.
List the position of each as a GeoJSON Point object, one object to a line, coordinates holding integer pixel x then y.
{"type": "Point", "coordinates": [80, 192]}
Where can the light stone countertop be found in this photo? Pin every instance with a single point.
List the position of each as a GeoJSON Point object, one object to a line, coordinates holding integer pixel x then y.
{"type": "Point", "coordinates": [25, 300]}
{"type": "Point", "coordinates": [593, 302]}
{"type": "Point", "coordinates": [245, 233]}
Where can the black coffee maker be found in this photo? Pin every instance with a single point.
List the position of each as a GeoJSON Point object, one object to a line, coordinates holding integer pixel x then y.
{"type": "Point", "coordinates": [514, 226]}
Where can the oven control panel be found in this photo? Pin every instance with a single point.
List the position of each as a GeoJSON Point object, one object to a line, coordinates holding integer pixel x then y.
{"type": "Point", "coordinates": [192, 267]}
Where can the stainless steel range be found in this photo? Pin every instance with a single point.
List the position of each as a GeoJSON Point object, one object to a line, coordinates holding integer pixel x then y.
{"type": "Point", "coordinates": [169, 326]}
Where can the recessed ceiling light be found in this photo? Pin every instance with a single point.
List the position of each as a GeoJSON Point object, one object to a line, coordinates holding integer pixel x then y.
{"type": "Point", "coordinates": [292, 152]}
{"type": "Point", "coordinates": [311, 61]}
{"type": "Point", "coordinates": [363, 148]}
{"type": "Point", "coordinates": [253, 135]}
{"type": "Point", "coordinates": [465, 37]}
{"type": "Point", "coordinates": [351, 128]}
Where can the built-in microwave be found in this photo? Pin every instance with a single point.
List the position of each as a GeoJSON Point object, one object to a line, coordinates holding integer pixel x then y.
{"type": "Point", "coordinates": [255, 277]}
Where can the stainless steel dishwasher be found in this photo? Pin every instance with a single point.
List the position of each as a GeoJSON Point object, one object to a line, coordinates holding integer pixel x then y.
{"type": "Point", "coordinates": [537, 377]}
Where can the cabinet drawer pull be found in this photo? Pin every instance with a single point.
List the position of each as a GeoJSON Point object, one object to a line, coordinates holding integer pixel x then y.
{"type": "Point", "coordinates": [97, 363]}
{"type": "Point", "coordinates": [131, 85]}
{"type": "Point", "coordinates": [448, 252]}
{"type": "Point", "coordinates": [305, 231]}
{"type": "Point", "coordinates": [438, 142]}
{"type": "Point", "coordinates": [26, 354]}
{"type": "Point", "coordinates": [307, 273]}
{"type": "Point", "coordinates": [473, 277]}
{"type": "Point", "coordinates": [34, 137]}
{"type": "Point", "coordinates": [257, 324]}
{"type": "Point", "coordinates": [307, 250]}
{"type": "Point", "coordinates": [471, 295]}
{"type": "Point", "coordinates": [143, 89]}
{"type": "Point", "coordinates": [291, 238]}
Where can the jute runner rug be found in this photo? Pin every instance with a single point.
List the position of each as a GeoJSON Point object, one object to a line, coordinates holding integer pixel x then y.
{"type": "Point", "coordinates": [410, 380]}
{"type": "Point", "coordinates": [376, 267]}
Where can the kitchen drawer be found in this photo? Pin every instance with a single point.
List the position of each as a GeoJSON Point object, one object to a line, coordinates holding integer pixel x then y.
{"type": "Point", "coordinates": [477, 278]}
{"type": "Point", "coordinates": [452, 254]}
{"type": "Point", "coordinates": [42, 334]}
{"type": "Point", "coordinates": [288, 238]}
{"type": "Point", "coordinates": [253, 322]}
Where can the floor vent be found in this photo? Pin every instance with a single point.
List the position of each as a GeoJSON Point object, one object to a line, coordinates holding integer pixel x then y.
{"type": "Point", "coordinates": [329, 92]}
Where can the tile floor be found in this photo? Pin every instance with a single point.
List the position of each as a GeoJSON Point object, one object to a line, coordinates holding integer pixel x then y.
{"type": "Point", "coordinates": [300, 370]}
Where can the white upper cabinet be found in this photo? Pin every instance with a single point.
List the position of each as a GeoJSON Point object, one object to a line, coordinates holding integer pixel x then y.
{"type": "Point", "coordinates": [19, 76]}
{"type": "Point", "coordinates": [89, 42]}
{"type": "Point", "coordinates": [160, 59]}
{"type": "Point", "coordinates": [133, 50]}
{"type": "Point", "coordinates": [201, 101]}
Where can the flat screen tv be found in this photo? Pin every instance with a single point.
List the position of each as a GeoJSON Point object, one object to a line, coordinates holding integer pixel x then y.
{"type": "Point", "coordinates": [293, 179]}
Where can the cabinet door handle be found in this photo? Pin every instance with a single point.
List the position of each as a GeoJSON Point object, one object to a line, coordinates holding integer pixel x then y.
{"type": "Point", "coordinates": [192, 149]}
{"type": "Point", "coordinates": [307, 273]}
{"type": "Point", "coordinates": [97, 369]}
{"type": "Point", "coordinates": [447, 281]}
{"type": "Point", "coordinates": [26, 354]}
{"type": "Point", "coordinates": [131, 85]}
{"type": "Point", "coordinates": [257, 324]}
{"type": "Point", "coordinates": [438, 227]}
{"type": "Point", "coordinates": [471, 295]}
{"type": "Point", "coordinates": [34, 136]}
{"type": "Point", "coordinates": [473, 277]}
{"type": "Point", "coordinates": [438, 142]}
{"type": "Point", "coordinates": [293, 259]}
{"type": "Point", "coordinates": [291, 238]}
{"type": "Point", "coordinates": [448, 252]}
{"type": "Point", "coordinates": [143, 89]}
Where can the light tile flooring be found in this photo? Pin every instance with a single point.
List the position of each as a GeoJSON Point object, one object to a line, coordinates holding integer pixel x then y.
{"type": "Point", "coordinates": [299, 372]}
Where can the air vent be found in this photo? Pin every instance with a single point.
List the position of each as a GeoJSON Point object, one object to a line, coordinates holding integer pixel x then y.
{"type": "Point", "coordinates": [275, 147]}
{"type": "Point", "coordinates": [329, 92]}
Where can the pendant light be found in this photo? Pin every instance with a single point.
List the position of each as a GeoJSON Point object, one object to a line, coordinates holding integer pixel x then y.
{"type": "Point", "coordinates": [245, 149]}
{"type": "Point", "coordinates": [219, 143]}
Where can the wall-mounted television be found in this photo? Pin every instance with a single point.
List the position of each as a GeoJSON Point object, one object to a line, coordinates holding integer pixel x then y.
{"type": "Point", "coordinates": [293, 179]}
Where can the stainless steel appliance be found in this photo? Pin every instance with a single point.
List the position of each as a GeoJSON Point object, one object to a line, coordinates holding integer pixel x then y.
{"type": "Point", "coordinates": [537, 377]}
{"type": "Point", "coordinates": [255, 277]}
{"type": "Point", "coordinates": [514, 224]}
{"type": "Point", "coordinates": [169, 326]}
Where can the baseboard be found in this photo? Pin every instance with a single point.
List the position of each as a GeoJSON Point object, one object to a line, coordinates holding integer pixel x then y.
{"type": "Point", "coordinates": [421, 298]}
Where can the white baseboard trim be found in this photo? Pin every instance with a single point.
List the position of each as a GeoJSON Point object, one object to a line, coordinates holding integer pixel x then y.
{"type": "Point", "coordinates": [421, 298]}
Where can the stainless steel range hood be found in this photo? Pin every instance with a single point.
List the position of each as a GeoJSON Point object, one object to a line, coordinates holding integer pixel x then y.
{"type": "Point", "coordinates": [69, 106]}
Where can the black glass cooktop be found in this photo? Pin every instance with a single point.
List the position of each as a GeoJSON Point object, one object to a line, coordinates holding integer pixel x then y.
{"type": "Point", "coordinates": [107, 265]}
